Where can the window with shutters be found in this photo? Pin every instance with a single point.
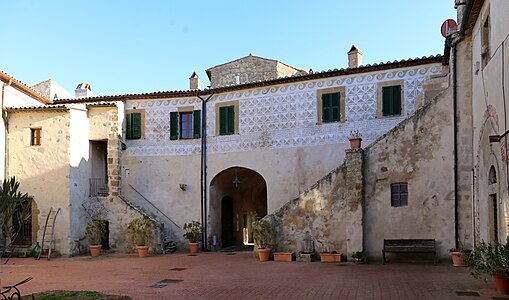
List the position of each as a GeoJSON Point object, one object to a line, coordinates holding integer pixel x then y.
{"type": "Point", "coordinates": [35, 136]}
{"type": "Point", "coordinates": [135, 123]}
{"type": "Point", "coordinates": [185, 124]}
{"type": "Point", "coordinates": [331, 105]}
{"type": "Point", "coordinates": [390, 99]}
{"type": "Point", "coordinates": [227, 118]}
{"type": "Point", "coordinates": [399, 194]}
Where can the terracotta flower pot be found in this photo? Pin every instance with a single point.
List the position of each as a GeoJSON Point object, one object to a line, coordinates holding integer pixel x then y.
{"type": "Point", "coordinates": [283, 256]}
{"type": "Point", "coordinates": [330, 257]}
{"type": "Point", "coordinates": [502, 283]}
{"type": "Point", "coordinates": [263, 254]}
{"type": "Point", "coordinates": [458, 259]}
{"type": "Point", "coordinates": [194, 247]}
{"type": "Point", "coordinates": [95, 250]}
{"type": "Point", "coordinates": [142, 251]}
{"type": "Point", "coordinates": [355, 143]}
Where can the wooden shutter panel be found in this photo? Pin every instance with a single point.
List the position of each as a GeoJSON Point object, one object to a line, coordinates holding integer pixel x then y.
{"type": "Point", "coordinates": [326, 103]}
{"type": "Point", "coordinates": [174, 125]}
{"type": "Point", "coordinates": [386, 101]}
{"type": "Point", "coordinates": [335, 107]}
{"type": "Point", "coordinates": [197, 124]}
{"type": "Point", "coordinates": [129, 127]}
{"type": "Point", "coordinates": [223, 119]}
{"type": "Point", "coordinates": [396, 97]}
{"type": "Point", "coordinates": [231, 119]}
{"type": "Point", "coordinates": [136, 125]}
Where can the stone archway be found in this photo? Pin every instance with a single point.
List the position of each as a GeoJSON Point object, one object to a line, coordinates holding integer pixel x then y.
{"type": "Point", "coordinates": [237, 194]}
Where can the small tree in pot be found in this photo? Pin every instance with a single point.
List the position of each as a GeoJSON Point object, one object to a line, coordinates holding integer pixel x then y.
{"type": "Point", "coordinates": [263, 234]}
{"type": "Point", "coordinates": [95, 232]}
{"type": "Point", "coordinates": [141, 232]}
{"type": "Point", "coordinates": [491, 259]}
{"type": "Point", "coordinates": [193, 234]}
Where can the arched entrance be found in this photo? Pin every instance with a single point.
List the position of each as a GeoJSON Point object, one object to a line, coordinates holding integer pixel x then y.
{"type": "Point", "coordinates": [492, 205]}
{"type": "Point", "coordinates": [238, 196]}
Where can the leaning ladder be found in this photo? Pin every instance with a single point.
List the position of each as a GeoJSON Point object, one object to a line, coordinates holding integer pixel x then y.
{"type": "Point", "coordinates": [50, 224]}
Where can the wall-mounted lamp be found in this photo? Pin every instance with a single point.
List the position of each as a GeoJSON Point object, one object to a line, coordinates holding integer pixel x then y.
{"type": "Point", "coordinates": [494, 138]}
{"type": "Point", "coordinates": [183, 186]}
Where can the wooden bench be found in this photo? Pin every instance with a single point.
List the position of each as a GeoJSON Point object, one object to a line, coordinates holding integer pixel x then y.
{"type": "Point", "coordinates": [409, 246]}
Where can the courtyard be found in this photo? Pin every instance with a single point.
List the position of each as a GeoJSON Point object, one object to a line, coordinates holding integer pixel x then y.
{"type": "Point", "coordinates": [236, 275]}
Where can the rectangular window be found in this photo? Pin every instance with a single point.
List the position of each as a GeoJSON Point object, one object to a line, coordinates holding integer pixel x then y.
{"type": "Point", "coordinates": [391, 100]}
{"type": "Point", "coordinates": [227, 120]}
{"type": "Point", "coordinates": [35, 136]}
{"type": "Point", "coordinates": [331, 107]}
{"type": "Point", "coordinates": [133, 125]}
{"type": "Point", "coordinates": [399, 194]}
{"type": "Point", "coordinates": [485, 42]}
{"type": "Point", "coordinates": [185, 125]}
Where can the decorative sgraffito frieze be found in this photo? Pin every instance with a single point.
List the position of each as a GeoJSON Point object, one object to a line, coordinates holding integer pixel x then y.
{"type": "Point", "coordinates": [280, 116]}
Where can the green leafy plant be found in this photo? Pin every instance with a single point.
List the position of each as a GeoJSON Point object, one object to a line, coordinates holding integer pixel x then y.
{"type": "Point", "coordinates": [489, 258]}
{"type": "Point", "coordinates": [15, 210]}
{"type": "Point", "coordinates": [263, 233]}
{"type": "Point", "coordinates": [96, 231]}
{"type": "Point", "coordinates": [360, 256]}
{"type": "Point", "coordinates": [140, 230]}
{"type": "Point", "coordinates": [193, 231]}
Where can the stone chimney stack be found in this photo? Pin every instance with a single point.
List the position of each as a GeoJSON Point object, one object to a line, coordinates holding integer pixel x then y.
{"type": "Point", "coordinates": [194, 82]}
{"type": "Point", "coordinates": [83, 90]}
{"type": "Point", "coordinates": [354, 57]}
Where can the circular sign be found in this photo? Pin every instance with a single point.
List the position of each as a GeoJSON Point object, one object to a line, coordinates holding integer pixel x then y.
{"type": "Point", "coordinates": [447, 26]}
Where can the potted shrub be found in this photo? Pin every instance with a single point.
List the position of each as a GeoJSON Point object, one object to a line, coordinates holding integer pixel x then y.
{"type": "Point", "coordinates": [355, 139]}
{"type": "Point", "coordinates": [458, 256]}
{"type": "Point", "coordinates": [283, 256]}
{"type": "Point", "coordinates": [95, 232]}
{"type": "Point", "coordinates": [193, 234]}
{"type": "Point", "coordinates": [359, 257]}
{"type": "Point", "coordinates": [263, 233]}
{"type": "Point", "coordinates": [140, 231]}
{"type": "Point", "coordinates": [491, 259]}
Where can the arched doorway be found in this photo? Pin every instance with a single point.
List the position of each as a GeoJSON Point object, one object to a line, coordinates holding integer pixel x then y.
{"type": "Point", "coordinates": [493, 218]}
{"type": "Point", "coordinates": [238, 196]}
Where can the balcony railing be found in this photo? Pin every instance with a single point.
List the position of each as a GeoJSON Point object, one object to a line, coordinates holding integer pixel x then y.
{"type": "Point", "coordinates": [98, 187]}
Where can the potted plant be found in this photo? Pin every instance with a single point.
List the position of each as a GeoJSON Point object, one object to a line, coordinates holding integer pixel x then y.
{"type": "Point", "coordinates": [95, 232]}
{"type": "Point", "coordinates": [359, 257]}
{"type": "Point", "coordinates": [491, 259]}
{"type": "Point", "coordinates": [283, 256]}
{"type": "Point", "coordinates": [193, 233]}
{"type": "Point", "coordinates": [332, 256]}
{"type": "Point", "coordinates": [355, 139]}
{"type": "Point", "coordinates": [263, 233]}
{"type": "Point", "coordinates": [458, 256]}
{"type": "Point", "coordinates": [140, 231]}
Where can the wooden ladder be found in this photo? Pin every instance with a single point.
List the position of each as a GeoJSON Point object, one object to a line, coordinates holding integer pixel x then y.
{"type": "Point", "coordinates": [50, 224]}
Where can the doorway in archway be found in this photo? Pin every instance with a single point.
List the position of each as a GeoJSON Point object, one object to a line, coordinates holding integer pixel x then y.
{"type": "Point", "coordinates": [238, 196]}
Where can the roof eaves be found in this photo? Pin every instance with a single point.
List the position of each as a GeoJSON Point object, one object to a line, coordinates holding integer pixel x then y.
{"type": "Point", "coordinates": [53, 108]}
{"type": "Point", "coordinates": [22, 87]}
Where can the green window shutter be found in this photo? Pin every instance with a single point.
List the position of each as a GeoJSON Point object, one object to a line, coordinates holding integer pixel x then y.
{"type": "Point", "coordinates": [391, 100]}
{"type": "Point", "coordinates": [197, 124]}
{"type": "Point", "coordinates": [129, 127]}
{"type": "Point", "coordinates": [330, 107]}
{"type": "Point", "coordinates": [335, 107]}
{"type": "Point", "coordinates": [326, 103]}
{"type": "Point", "coordinates": [231, 119]}
{"type": "Point", "coordinates": [174, 125]}
{"type": "Point", "coordinates": [223, 120]}
{"type": "Point", "coordinates": [136, 125]}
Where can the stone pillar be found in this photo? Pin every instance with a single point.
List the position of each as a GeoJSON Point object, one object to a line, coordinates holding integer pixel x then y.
{"type": "Point", "coordinates": [354, 202]}
{"type": "Point", "coordinates": [113, 154]}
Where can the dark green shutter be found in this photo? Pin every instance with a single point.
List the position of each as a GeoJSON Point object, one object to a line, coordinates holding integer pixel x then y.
{"type": "Point", "coordinates": [335, 107]}
{"type": "Point", "coordinates": [330, 107]}
{"type": "Point", "coordinates": [391, 100]}
{"type": "Point", "coordinates": [197, 124]}
{"type": "Point", "coordinates": [129, 127]}
{"type": "Point", "coordinates": [326, 102]}
{"type": "Point", "coordinates": [231, 119]}
{"type": "Point", "coordinates": [174, 125]}
{"type": "Point", "coordinates": [136, 125]}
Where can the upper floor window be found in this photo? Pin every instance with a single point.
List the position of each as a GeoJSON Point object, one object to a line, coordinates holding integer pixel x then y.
{"type": "Point", "coordinates": [391, 100]}
{"type": "Point", "coordinates": [399, 194]}
{"type": "Point", "coordinates": [485, 42]}
{"type": "Point", "coordinates": [135, 124]}
{"type": "Point", "coordinates": [331, 105]}
{"type": "Point", "coordinates": [227, 118]}
{"type": "Point", "coordinates": [185, 124]}
{"type": "Point", "coordinates": [35, 136]}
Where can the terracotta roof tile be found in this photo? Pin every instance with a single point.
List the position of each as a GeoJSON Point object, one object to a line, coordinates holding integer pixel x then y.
{"type": "Point", "coordinates": [22, 87]}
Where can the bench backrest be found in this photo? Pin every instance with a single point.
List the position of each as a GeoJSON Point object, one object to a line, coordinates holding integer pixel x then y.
{"type": "Point", "coordinates": [409, 243]}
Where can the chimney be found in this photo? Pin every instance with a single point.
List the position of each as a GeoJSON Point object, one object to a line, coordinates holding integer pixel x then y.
{"type": "Point", "coordinates": [354, 57]}
{"type": "Point", "coordinates": [194, 82]}
{"type": "Point", "coordinates": [83, 90]}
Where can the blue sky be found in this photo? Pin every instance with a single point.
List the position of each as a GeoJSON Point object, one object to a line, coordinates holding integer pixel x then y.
{"type": "Point", "coordinates": [128, 46]}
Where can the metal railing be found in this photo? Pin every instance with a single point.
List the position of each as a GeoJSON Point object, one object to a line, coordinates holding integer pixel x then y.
{"type": "Point", "coordinates": [98, 187]}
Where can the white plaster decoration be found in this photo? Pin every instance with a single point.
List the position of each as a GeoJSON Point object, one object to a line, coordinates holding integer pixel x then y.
{"type": "Point", "coordinates": [281, 116]}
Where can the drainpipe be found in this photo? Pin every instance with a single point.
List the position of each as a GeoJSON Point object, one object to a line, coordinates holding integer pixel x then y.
{"type": "Point", "coordinates": [4, 119]}
{"type": "Point", "coordinates": [204, 220]}
{"type": "Point", "coordinates": [455, 106]}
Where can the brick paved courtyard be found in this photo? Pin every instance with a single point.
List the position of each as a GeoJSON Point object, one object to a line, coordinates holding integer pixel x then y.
{"type": "Point", "coordinates": [238, 276]}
